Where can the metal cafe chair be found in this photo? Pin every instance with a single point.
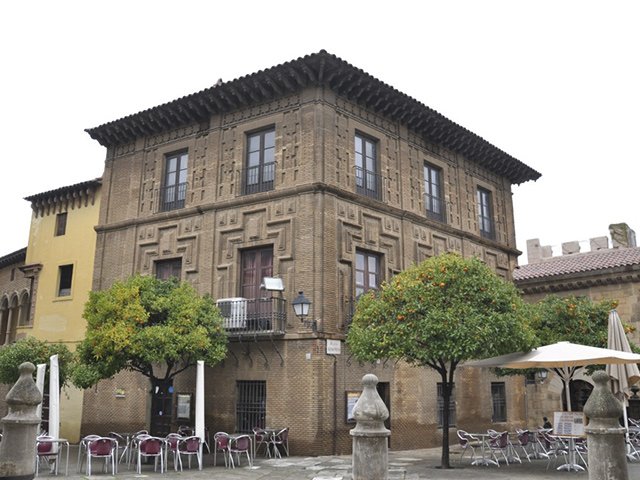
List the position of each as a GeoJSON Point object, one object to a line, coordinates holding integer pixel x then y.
{"type": "Point", "coordinates": [221, 444]}
{"type": "Point", "coordinates": [105, 448]}
{"type": "Point", "coordinates": [278, 439]}
{"type": "Point", "coordinates": [151, 447]}
{"type": "Point", "coordinates": [261, 439]}
{"type": "Point", "coordinates": [82, 450]}
{"type": "Point", "coordinates": [189, 446]}
{"type": "Point", "coordinates": [171, 446]}
{"type": "Point", "coordinates": [239, 445]}
{"type": "Point", "coordinates": [467, 441]}
{"type": "Point", "coordinates": [46, 451]}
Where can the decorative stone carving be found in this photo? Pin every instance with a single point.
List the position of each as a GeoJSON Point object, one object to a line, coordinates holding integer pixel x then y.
{"type": "Point", "coordinates": [605, 436]}
{"type": "Point", "coordinates": [20, 427]}
{"type": "Point", "coordinates": [370, 457]}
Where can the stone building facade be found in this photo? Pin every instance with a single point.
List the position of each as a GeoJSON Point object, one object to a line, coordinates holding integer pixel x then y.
{"type": "Point", "coordinates": [605, 272]}
{"type": "Point", "coordinates": [320, 175]}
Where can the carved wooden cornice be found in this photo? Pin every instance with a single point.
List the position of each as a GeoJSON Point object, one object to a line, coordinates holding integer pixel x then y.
{"type": "Point", "coordinates": [320, 69]}
{"type": "Point", "coordinates": [65, 198]}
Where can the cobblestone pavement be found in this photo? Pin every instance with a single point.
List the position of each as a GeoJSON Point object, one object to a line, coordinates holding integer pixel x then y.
{"type": "Point", "coordinates": [403, 465]}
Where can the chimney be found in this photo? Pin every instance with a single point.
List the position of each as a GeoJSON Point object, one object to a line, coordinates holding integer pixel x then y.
{"type": "Point", "coordinates": [622, 236]}
{"type": "Point", "coordinates": [599, 243]}
{"type": "Point", "coordinates": [569, 248]}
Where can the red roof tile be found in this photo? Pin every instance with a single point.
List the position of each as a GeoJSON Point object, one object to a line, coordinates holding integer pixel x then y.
{"type": "Point", "coordinates": [579, 262]}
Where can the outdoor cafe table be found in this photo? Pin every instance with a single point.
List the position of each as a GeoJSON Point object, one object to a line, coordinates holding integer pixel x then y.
{"type": "Point", "coordinates": [572, 464]}
{"type": "Point", "coordinates": [483, 437]}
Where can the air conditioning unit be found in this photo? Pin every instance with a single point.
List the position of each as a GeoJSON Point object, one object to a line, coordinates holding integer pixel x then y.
{"type": "Point", "coordinates": [234, 312]}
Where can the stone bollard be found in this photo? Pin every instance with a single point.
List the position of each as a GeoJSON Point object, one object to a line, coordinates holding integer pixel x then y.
{"type": "Point", "coordinates": [20, 428]}
{"type": "Point", "coordinates": [370, 457]}
{"type": "Point", "coordinates": [605, 436]}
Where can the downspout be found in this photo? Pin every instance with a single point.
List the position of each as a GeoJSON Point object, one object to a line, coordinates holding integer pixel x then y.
{"type": "Point", "coordinates": [335, 405]}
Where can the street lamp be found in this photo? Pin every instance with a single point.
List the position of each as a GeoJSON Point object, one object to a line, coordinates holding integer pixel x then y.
{"type": "Point", "coordinates": [301, 306]}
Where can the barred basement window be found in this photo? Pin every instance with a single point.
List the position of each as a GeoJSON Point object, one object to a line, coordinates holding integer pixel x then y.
{"type": "Point", "coordinates": [499, 402]}
{"type": "Point", "coordinates": [251, 405]}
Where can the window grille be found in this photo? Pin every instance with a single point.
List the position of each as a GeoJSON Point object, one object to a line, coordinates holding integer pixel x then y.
{"type": "Point", "coordinates": [251, 405]}
{"type": "Point", "coordinates": [499, 401]}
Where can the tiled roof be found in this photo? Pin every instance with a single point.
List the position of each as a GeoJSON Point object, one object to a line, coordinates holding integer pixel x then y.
{"type": "Point", "coordinates": [13, 257]}
{"type": "Point", "coordinates": [579, 262]}
{"type": "Point", "coordinates": [65, 190]}
{"type": "Point", "coordinates": [317, 69]}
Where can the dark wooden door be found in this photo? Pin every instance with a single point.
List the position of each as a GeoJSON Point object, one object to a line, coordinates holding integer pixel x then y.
{"type": "Point", "coordinates": [161, 408]}
{"type": "Point", "coordinates": [257, 264]}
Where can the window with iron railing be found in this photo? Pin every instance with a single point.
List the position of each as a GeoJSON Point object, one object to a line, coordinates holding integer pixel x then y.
{"type": "Point", "coordinates": [259, 174]}
{"type": "Point", "coordinates": [174, 188]}
{"type": "Point", "coordinates": [433, 198]}
{"type": "Point", "coordinates": [485, 214]}
{"type": "Point", "coordinates": [253, 316]}
{"type": "Point", "coordinates": [368, 178]}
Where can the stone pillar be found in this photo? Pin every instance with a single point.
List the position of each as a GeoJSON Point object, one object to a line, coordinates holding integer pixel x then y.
{"type": "Point", "coordinates": [605, 436]}
{"type": "Point", "coordinates": [20, 428]}
{"type": "Point", "coordinates": [370, 457]}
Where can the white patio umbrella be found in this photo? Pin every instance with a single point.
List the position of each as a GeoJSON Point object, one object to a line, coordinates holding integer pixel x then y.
{"type": "Point", "coordinates": [40, 374]}
{"type": "Point", "coordinates": [563, 357]}
{"type": "Point", "coordinates": [200, 404]}
{"type": "Point", "coordinates": [622, 375]}
{"type": "Point", "coordinates": [54, 398]}
{"type": "Point", "coordinates": [625, 375]}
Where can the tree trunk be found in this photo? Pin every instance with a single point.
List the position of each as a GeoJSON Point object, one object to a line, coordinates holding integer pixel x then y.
{"type": "Point", "coordinates": [446, 398]}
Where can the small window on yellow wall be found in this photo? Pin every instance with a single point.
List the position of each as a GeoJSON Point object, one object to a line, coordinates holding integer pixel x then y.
{"type": "Point", "coordinates": [65, 276]}
{"type": "Point", "coordinates": [61, 224]}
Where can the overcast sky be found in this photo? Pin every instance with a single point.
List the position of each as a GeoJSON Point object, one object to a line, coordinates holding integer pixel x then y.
{"type": "Point", "coordinates": [556, 84]}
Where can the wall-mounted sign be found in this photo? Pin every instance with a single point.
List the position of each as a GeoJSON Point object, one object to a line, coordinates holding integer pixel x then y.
{"type": "Point", "coordinates": [334, 347]}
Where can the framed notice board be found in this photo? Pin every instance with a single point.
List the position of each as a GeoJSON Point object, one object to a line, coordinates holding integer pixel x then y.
{"type": "Point", "coordinates": [351, 397]}
{"type": "Point", "coordinates": [183, 406]}
{"type": "Point", "coordinates": [568, 423]}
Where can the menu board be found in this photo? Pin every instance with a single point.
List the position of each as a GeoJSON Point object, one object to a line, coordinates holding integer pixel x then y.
{"type": "Point", "coordinates": [568, 423]}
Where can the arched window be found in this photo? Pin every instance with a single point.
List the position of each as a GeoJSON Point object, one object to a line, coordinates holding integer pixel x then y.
{"type": "Point", "coordinates": [24, 319]}
{"type": "Point", "coordinates": [4, 320]}
{"type": "Point", "coordinates": [14, 312]}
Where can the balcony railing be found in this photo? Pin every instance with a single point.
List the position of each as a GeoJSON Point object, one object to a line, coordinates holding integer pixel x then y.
{"type": "Point", "coordinates": [253, 316]}
{"type": "Point", "coordinates": [258, 179]}
{"type": "Point", "coordinates": [435, 207]}
{"type": "Point", "coordinates": [172, 197]}
{"type": "Point", "coordinates": [368, 183]}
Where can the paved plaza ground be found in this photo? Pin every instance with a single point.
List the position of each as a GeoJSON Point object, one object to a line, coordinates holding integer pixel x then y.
{"type": "Point", "coordinates": [403, 465]}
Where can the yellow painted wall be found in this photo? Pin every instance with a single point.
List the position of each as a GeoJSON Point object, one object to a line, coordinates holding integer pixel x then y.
{"type": "Point", "coordinates": [59, 319]}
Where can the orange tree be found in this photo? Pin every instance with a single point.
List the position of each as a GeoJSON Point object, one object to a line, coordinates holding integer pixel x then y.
{"type": "Point", "coordinates": [573, 319]}
{"type": "Point", "coordinates": [154, 327]}
{"type": "Point", "coordinates": [437, 314]}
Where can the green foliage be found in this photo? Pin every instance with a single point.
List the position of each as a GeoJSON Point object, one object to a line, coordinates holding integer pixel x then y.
{"type": "Point", "coordinates": [145, 322]}
{"type": "Point", "coordinates": [438, 313]}
{"type": "Point", "coordinates": [446, 309]}
{"type": "Point", "coordinates": [572, 319]}
{"type": "Point", "coordinates": [36, 351]}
